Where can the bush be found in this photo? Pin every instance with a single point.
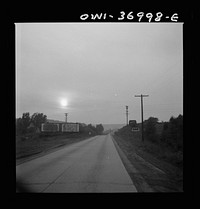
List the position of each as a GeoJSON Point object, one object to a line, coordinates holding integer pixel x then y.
{"type": "Point", "coordinates": [150, 129]}
{"type": "Point", "coordinates": [90, 129]}
{"type": "Point", "coordinates": [172, 133]}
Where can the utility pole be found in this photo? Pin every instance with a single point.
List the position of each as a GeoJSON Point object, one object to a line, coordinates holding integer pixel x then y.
{"type": "Point", "coordinates": [66, 114]}
{"type": "Point", "coordinates": [142, 112]}
{"type": "Point", "coordinates": [127, 115]}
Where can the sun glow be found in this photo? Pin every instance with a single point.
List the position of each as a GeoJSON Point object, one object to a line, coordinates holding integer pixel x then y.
{"type": "Point", "coordinates": [64, 102]}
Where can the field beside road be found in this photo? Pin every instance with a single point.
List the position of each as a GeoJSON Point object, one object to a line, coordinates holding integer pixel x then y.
{"type": "Point", "coordinates": [155, 170]}
{"type": "Point", "coordinates": [31, 145]}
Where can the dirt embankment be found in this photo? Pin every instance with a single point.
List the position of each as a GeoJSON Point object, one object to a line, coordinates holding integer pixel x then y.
{"type": "Point", "coordinates": [147, 170]}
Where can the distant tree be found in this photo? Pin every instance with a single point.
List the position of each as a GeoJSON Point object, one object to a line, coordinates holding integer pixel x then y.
{"type": "Point", "coordinates": [92, 129]}
{"type": "Point", "coordinates": [19, 126]}
{"type": "Point", "coordinates": [176, 132]}
{"type": "Point", "coordinates": [25, 122]}
{"type": "Point", "coordinates": [82, 128]}
{"type": "Point", "coordinates": [180, 130]}
{"type": "Point", "coordinates": [99, 129]}
{"type": "Point", "coordinates": [150, 129]}
{"type": "Point", "coordinates": [37, 119]}
{"type": "Point", "coordinates": [87, 129]}
{"type": "Point", "coordinates": [172, 133]}
{"type": "Point", "coordinates": [165, 131]}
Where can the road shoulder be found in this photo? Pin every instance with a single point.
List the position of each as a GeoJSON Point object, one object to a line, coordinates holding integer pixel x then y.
{"type": "Point", "coordinates": [148, 175]}
{"type": "Point", "coordinates": [137, 179]}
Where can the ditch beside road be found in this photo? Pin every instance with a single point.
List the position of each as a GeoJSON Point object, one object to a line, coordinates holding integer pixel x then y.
{"type": "Point", "coordinates": [147, 171]}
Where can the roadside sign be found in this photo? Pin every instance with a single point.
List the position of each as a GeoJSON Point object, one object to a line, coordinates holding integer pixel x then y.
{"type": "Point", "coordinates": [135, 129]}
{"type": "Point", "coordinates": [49, 127]}
{"type": "Point", "coordinates": [70, 127]}
{"type": "Point", "coordinates": [132, 123]}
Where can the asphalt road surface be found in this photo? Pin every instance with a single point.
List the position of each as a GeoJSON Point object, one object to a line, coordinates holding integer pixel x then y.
{"type": "Point", "coordinates": [92, 165]}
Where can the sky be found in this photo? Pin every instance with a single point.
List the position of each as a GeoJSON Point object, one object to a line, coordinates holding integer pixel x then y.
{"type": "Point", "coordinates": [92, 71]}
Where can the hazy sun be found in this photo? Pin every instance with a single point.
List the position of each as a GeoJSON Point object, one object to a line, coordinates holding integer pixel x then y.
{"type": "Point", "coordinates": [63, 102]}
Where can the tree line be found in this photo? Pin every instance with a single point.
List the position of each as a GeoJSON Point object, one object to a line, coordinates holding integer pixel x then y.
{"type": "Point", "coordinates": [29, 123]}
{"type": "Point", "coordinates": [168, 133]}
{"type": "Point", "coordinates": [91, 130]}
{"type": "Point", "coordinates": [32, 123]}
{"type": "Point", "coordinates": [171, 134]}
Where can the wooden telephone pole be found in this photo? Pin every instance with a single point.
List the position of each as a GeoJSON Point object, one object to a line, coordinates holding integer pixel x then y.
{"type": "Point", "coordinates": [66, 114]}
{"type": "Point", "coordinates": [142, 112]}
{"type": "Point", "coordinates": [127, 115]}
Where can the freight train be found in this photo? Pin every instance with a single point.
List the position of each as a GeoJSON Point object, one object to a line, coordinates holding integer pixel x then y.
{"type": "Point", "coordinates": [60, 127]}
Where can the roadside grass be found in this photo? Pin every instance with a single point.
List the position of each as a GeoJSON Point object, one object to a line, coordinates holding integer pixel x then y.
{"type": "Point", "coordinates": [161, 152]}
{"type": "Point", "coordinates": [32, 144]}
{"type": "Point", "coordinates": [157, 149]}
{"type": "Point", "coordinates": [158, 155]}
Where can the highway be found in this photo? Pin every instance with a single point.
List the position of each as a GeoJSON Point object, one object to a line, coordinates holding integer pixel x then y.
{"type": "Point", "coordinates": [92, 165]}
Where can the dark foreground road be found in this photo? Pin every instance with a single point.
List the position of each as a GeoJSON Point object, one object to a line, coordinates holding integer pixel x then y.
{"type": "Point", "coordinates": [92, 165]}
